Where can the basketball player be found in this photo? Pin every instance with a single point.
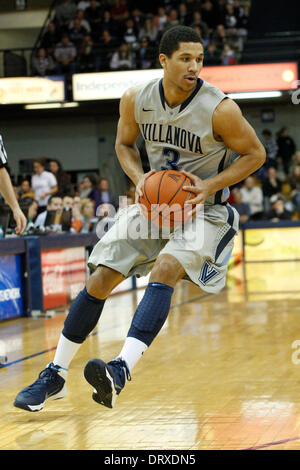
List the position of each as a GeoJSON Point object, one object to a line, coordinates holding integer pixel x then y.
{"type": "Point", "coordinates": [188, 125]}
{"type": "Point", "coordinates": [8, 192]}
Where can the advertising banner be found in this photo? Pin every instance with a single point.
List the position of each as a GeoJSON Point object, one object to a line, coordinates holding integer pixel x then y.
{"type": "Point", "coordinates": [32, 89]}
{"type": "Point", "coordinates": [63, 275]}
{"type": "Point", "coordinates": [233, 78]}
{"type": "Point", "coordinates": [272, 244]}
{"type": "Point", "coordinates": [10, 287]}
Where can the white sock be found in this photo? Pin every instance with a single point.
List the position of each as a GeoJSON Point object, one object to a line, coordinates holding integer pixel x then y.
{"type": "Point", "coordinates": [65, 352]}
{"type": "Point", "coordinates": [132, 351]}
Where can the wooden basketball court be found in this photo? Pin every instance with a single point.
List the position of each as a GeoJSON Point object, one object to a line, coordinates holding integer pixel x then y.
{"type": "Point", "coordinates": [222, 374]}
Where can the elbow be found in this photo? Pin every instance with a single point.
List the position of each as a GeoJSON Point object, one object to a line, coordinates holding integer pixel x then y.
{"type": "Point", "coordinates": [260, 156]}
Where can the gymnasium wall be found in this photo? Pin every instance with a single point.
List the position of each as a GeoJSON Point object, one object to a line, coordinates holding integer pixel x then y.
{"type": "Point", "coordinates": [79, 142]}
{"type": "Point", "coordinates": [284, 115]}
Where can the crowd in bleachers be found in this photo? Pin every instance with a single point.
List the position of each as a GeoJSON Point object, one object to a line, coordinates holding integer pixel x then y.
{"type": "Point", "coordinates": [52, 204]}
{"type": "Point", "coordinates": [273, 192]}
{"type": "Point", "coordinates": [94, 35]}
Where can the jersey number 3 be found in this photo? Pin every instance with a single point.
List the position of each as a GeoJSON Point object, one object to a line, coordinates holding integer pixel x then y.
{"type": "Point", "coordinates": [172, 158]}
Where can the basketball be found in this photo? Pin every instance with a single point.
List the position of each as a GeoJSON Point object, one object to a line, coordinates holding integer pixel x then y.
{"type": "Point", "coordinates": [163, 199]}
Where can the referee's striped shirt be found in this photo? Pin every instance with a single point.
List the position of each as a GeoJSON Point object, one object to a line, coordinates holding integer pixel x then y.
{"type": "Point", "coordinates": [3, 156]}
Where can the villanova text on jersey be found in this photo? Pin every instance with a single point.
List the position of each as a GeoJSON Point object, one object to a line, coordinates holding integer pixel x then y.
{"type": "Point", "coordinates": [172, 135]}
{"type": "Point", "coordinates": [182, 137]}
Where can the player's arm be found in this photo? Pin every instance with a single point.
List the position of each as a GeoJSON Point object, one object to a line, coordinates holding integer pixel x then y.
{"type": "Point", "coordinates": [8, 193]}
{"type": "Point", "coordinates": [231, 127]}
{"type": "Point", "coordinates": [127, 134]}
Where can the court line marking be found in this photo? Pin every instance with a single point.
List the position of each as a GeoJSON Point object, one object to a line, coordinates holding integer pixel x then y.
{"type": "Point", "coordinates": [2, 366]}
{"type": "Point", "coordinates": [275, 443]}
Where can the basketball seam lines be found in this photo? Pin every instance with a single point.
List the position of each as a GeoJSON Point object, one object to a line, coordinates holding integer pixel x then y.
{"type": "Point", "coordinates": [177, 190]}
{"type": "Point", "coordinates": [158, 191]}
{"type": "Point", "coordinates": [145, 192]}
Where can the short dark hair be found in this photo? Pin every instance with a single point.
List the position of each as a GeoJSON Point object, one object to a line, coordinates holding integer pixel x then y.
{"type": "Point", "coordinates": [170, 40]}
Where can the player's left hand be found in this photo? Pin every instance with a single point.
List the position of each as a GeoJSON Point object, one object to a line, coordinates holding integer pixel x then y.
{"type": "Point", "coordinates": [199, 188]}
{"type": "Point", "coordinates": [20, 220]}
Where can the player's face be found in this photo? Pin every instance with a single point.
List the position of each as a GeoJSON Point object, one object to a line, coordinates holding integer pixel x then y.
{"type": "Point", "coordinates": [183, 67]}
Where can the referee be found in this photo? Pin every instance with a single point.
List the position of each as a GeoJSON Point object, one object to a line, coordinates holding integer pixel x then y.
{"type": "Point", "coordinates": [7, 191]}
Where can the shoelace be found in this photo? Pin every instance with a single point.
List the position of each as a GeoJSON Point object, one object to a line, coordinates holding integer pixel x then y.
{"type": "Point", "coordinates": [48, 372]}
{"type": "Point", "coordinates": [44, 375]}
{"type": "Point", "coordinates": [120, 363]}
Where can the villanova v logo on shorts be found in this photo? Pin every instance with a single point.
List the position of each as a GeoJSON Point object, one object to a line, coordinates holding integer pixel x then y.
{"type": "Point", "coordinates": [207, 273]}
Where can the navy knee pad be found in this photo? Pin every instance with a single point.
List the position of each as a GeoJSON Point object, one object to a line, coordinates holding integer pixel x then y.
{"type": "Point", "coordinates": [151, 313]}
{"type": "Point", "coordinates": [83, 316]}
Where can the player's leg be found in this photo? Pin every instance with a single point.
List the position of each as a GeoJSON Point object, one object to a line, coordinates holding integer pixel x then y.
{"type": "Point", "coordinates": [109, 379]}
{"type": "Point", "coordinates": [82, 318]}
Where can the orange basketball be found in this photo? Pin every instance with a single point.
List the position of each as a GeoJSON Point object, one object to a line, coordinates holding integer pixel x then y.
{"type": "Point", "coordinates": [163, 200]}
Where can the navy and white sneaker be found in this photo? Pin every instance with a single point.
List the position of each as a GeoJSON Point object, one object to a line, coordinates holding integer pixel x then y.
{"type": "Point", "coordinates": [50, 385]}
{"type": "Point", "coordinates": [107, 379]}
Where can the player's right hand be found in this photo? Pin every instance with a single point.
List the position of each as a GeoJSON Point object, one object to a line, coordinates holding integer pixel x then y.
{"type": "Point", "coordinates": [139, 186]}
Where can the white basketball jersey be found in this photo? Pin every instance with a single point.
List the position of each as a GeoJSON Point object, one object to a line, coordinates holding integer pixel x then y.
{"type": "Point", "coordinates": [182, 138]}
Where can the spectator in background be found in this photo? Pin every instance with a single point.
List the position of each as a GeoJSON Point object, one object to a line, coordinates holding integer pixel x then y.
{"type": "Point", "coordinates": [271, 149]}
{"type": "Point", "coordinates": [200, 34]}
{"type": "Point", "coordinates": [172, 19]}
{"type": "Point", "coordinates": [87, 221]}
{"type": "Point", "coordinates": [43, 183]}
{"type": "Point", "coordinates": [83, 22]}
{"type": "Point", "coordinates": [43, 64]}
{"type": "Point", "coordinates": [144, 56]}
{"type": "Point", "coordinates": [149, 30]}
{"type": "Point", "coordinates": [138, 18]}
{"type": "Point", "coordinates": [210, 14]}
{"type": "Point", "coordinates": [51, 38]}
{"type": "Point", "coordinates": [184, 17]}
{"type": "Point", "coordinates": [230, 18]}
{"type": "Point", "coordinates": [103, 195]}
{"type": "Point", "coordinates": [86, 56]}
{"type": "Point", "coordinates": [122, 59]}
{"type": "Point", "coordinates": [253, 196]}
{"type": "Point", "coordinates": [55, 204]}
{"type": "Point", "coordinates": [242, 207]}
{"type": "Point", "coordinates": [65, 54]}
{"type": "Point", "coordinates": [32, 211]}
{"type": "Point", "coordinates": [63, 179]}
{"type": "Point", "coordinates": [161, 19]}
{"type": "Point", "coordinates": [296, 158]}
{"type": "Point", "coordinates": [65, 12]}
{"type": "Point", "coordinates": [68, 202]}
{"type": "Point", "coordinates": [219, 37]}
{"type": "Point", "coordinates": [130, 34]}
{"type": "Point", "coordinates": [197, 21]}
{"type": "Point", "coordinates": [26, 192]}
{"type": "Point", "coordinates": [93, 14]}
{"type": "Point", "coordinates": [271, 185]}
{"type": "Point", "coordinates": [212, 56]}
{"type": "Point", "coordinates": [77, 32]}
{"type": "Point", "coordinates": [295, 186]}
{"type": "Point", "coordinates": [104, 55]}
{"type": "Point", "coordinates": [83, 4]}
{"type": "Point", "coordinates": [89, 183]}
{"type": "Point", "coordinates": [278, 211]}
{"type": "Point", "coordinates": [228, 56]}
{"type": "Point", "coordinates": [286, 148]}
{"type": "Point", "coordinates": [120, 11]}
{"type": "Point", "coordinates": [109, 24]}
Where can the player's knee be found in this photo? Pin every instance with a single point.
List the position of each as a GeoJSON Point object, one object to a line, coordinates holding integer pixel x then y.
{"type": "Point", "coordinates": [101, 282]}
{"type": "Point", "coordinates": [167, 270]}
